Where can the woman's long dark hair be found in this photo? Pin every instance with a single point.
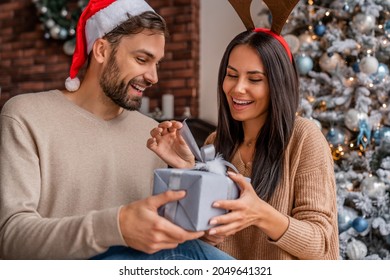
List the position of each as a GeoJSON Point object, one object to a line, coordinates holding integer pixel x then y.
{"type": "Point", "coordinates": [274, 136]}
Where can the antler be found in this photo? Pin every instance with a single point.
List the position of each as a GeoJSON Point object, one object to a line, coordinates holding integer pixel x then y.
{"type": "Point", "coordinates": [243, 9]}
{"type": "Point", "coordinates": [280, 10]}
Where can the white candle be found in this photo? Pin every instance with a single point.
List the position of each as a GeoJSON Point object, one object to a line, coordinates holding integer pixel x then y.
{"type": "Point", "coordinates": [144, 105]}
{"type": "Point", "coordinates": [167, 106]}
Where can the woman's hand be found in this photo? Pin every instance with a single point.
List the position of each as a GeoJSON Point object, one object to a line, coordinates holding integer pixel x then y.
{"type": "Point", "coordinates": [246, 211]}
{"type": "Point", "coordinates": [170, 146]}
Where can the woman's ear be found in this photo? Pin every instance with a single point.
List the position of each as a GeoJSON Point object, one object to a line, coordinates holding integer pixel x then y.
{"type": "Point", "coordinates": [100, 50]}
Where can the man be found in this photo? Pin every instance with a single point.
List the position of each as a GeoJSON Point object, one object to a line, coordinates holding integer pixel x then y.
{"type": "Point", "coordinates": [75, 174]}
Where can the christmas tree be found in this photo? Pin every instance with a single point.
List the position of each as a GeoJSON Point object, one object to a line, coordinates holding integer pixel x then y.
{"type": "Point", "coordinates": [342, 53]}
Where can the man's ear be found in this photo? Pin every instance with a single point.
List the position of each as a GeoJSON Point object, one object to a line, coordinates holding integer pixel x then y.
{"type": "Point", "coordinates": [100, 50]}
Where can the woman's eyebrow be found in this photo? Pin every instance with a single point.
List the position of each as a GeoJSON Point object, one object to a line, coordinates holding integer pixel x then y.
{"type": "Point", "coordinates": [249, 72]}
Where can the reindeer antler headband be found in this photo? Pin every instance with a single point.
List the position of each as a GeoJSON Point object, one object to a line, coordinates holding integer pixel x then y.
{"type": "Point", "coordinates": [280, 10]}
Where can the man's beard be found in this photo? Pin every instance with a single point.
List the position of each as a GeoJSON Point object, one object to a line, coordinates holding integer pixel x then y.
{"type": "Point", "coordinates": [117, 90]}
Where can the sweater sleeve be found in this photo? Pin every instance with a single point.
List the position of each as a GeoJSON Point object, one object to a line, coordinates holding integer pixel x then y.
{"type": "Point", "coordinates": [23, 232]}
{"type": "Point", "coordinates": [312, 231]}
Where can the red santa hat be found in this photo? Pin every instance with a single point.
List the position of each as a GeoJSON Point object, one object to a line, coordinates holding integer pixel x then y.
{"type": "Point", "coordinates": [99, 18]}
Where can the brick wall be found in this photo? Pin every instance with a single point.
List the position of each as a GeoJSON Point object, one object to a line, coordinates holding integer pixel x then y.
{"type": "Point", "coordinates": [30, 63]}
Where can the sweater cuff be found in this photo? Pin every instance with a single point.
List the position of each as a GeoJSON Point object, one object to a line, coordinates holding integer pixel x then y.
{"type": "Point", "coordinates": [106, 228]}
{"type": "Point", "coordinates": [293, 241]}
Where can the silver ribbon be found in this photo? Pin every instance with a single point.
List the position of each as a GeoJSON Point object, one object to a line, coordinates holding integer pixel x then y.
{"type": "Point", "coordinates": [173, 184]}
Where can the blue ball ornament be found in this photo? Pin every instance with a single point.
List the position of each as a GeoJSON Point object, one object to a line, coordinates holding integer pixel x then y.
{"type": "Point", "coordinates": [381, 73]}
{"type": "Point", "coordinates": [386, 28]}
{"type": "Point", "coordinates": [63, 34]}
{"type": "Point", "coordinates": [360, 224]}
{"type": "Point", "coordinates": [335, 136]}
{"type": "Point", "coordinates": [304, 64]}
{"type": "Point", "coordinates": [377, 136]}
{"type": "Point", "coordinates": [382, 135]}
{"type": "Point", "coordinates": [345, 216]}
{"type": "Point", "coordinates": [355, 67]}
{"type": "Point", "coordinates": [320, 29]}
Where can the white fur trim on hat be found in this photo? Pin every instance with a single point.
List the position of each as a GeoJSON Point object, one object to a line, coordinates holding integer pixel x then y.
{"type": "Point", "coordinates": [72, 84]}
{"type": "Point", "coordinates": [110, 17]}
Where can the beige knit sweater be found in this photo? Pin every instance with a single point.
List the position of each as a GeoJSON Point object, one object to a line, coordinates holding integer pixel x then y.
{"type": "Point", "coordinates": [307, 195]}
{"type": "Point", "coordinates": [64, 173]}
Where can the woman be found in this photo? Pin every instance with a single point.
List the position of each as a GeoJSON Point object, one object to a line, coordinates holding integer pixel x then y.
{"type": "Point", "coordinates": [288, 211]}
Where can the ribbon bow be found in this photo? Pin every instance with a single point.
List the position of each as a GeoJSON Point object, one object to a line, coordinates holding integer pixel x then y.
{"type": "Point", "coordinates": [205, 157]}
{"type": "Point", "coordinates": [206, 161]}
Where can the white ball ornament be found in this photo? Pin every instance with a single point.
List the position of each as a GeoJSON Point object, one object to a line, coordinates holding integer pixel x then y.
{"type": "Point", "coordinates": [305, 38]}
{"type": "Point", "coordinates": [330, 62]}
{"type": "Point", "coordinates": [69, 47]}
{"type": "Point", "coordinates": [55, 32]}
{"type": "Point", "coordinates": [364, 23]}
{"type": "Point", "coordinates": [50, 23]}
{"type": "Point", "coordinates": [305, 41]}
{"type": "Point", "coordinates": [352, 119]}
{"type": "Point", "coordinates": [293, 42]}
{"type": "Point", "coordinates": [373, 187]}
{"type": "Point", "coordinates": [369, 65]}
{"type": "Point", "coordinates": [356, 250]}
{"type": "Point", "coordinates": [64, 12]}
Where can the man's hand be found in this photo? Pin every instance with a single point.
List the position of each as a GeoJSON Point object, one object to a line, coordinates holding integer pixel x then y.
{"type": "Point", "coordinates": [212, 239]}
{"type": "Point", "coordinates": [170, 146]}
{"type": "Point", "coordinates": [144, 230]}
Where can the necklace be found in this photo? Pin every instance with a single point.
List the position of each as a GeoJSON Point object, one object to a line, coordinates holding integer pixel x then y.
{"type": "Point", "coordinates": [246, 153]}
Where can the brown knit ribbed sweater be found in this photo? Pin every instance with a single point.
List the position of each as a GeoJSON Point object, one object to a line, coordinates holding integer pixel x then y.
{"type": "Point", "coordinates": [306, 194]}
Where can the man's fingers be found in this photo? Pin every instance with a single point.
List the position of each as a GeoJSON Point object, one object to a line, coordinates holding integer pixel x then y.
{"type": "Point", "coordinates": [155, 132]}
{"type": "Point", "coordinates": [195, 234]}
{"type": "Point", "coordinates": [165, 197]}
{"type": "Point", "coordinates": [165, 124]}
{"type": "Point", "coordinates": [177, 125]}
{"type": "Point", "coordinates": [151, 143]}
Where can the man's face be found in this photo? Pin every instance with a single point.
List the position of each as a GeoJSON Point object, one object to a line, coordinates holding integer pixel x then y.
{"type": "Point", "coordinates": [132, 68]}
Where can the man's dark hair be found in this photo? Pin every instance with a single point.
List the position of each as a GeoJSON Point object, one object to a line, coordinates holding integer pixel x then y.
{"type": "Point", "coordinates": [136, 24]}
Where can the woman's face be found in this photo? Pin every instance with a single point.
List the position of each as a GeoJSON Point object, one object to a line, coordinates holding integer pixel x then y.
{"type": "Point", "coordinates": [246, 86]}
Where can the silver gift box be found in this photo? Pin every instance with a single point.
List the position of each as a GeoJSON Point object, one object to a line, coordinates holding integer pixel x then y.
{"type": "Point", "coordinates": [195, 210]}
{"type": "Point", "coordinates": [204, 184]}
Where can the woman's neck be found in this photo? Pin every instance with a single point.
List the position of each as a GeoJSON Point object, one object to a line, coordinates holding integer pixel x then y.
{"type": "Point", "coordinates": [251, 132]}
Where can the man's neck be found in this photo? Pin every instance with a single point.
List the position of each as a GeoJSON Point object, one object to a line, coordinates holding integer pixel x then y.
{"type": "Point", "coordinates": [91, 98]}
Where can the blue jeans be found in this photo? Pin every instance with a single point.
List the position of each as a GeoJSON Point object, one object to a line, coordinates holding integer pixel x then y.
{"type": "Point", "coordinates": [190, 250]}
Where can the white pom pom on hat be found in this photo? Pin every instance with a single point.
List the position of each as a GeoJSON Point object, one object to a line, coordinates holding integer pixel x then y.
{"type": "Point", "coordinates": [99, 18]}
